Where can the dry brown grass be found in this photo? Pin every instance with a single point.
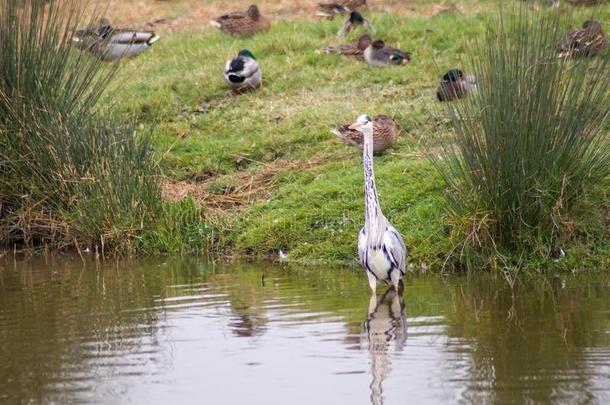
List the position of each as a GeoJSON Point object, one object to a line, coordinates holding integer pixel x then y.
{"type": "Point", "coordinates": [250, 185]}
{"type": "Point", "coordinates": [194, 15]}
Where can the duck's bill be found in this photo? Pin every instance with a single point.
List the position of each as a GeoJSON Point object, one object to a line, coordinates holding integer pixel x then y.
{"type": "Point", "coordinates": [354, 126]}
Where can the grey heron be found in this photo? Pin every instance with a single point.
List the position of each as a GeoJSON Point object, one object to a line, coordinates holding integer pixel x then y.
{"type": "Point", "coordinates": [381, 249]}
{"type": "Point", "coordinates": [384, 333]}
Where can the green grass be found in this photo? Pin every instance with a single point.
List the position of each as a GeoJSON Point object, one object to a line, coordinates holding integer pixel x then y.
{"type": "Point", "coordinates": [530, 148]}
{"type": "Point", "coordinates": [202, 130]}
{"type": "Point", "coordinates": [72, 176]}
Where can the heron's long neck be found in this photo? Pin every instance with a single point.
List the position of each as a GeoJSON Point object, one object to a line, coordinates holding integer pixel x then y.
{"type": "Point", "coordinates": [373, 213]}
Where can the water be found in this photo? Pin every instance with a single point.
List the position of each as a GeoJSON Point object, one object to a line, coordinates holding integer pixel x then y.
{"type": "Point", "coordinates": [188, 332]}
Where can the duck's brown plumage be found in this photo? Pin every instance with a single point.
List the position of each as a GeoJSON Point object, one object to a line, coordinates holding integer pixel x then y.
{"type": "Point", "coordinates": [242, 24]}
{"type": "Point", "coordinates": [355, 51]}
{"type": "Point", "coordinates": [587, 41]}
{"type": "Point", "coordinates": [385, 134]}
{"type": "Point", "coordinates": [455, 85]}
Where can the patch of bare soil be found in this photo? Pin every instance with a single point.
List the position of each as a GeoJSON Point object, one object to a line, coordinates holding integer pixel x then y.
{"type": "Point", "coordinates": [250, 186]}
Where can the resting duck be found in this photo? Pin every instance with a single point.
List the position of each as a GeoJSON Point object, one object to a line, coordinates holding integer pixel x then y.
{"type": "Point", "coordinates": [242, 73]}
{"type": "Point", "coordinates": [242, 24]}
{"type": "Point", "coordinates": [352, 50]}
{"type": "Point", "coordinates": [355, 19]}
{"type": "Point", "coordinates": [455, 85]}
{"type": "Point", "coordinates": [590, 40]}
{"type": "Point", "coordinates": [385, 134]}
{"type": "Point", "coordinates": [111, 43]}
{"type": "Point", "coordinates": [378, 54]}
{"type": "Point", "coordinates": [330, 10]}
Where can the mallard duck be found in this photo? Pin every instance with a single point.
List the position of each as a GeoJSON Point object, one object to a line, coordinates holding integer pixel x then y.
{"type": "Point", "coordinates": [330, 10]}
{"type": "Point", "coordinates": [111, 43]}
{"type": "Point", "coordinates": [354, 19]}
{"type": "Point", "coordinates": [352, 50]}
{"type": "Point", "coordinates": [455, 85]}
{"type": "Point", "coordinates": [242, 73]}
{"type": "Point", "coordinates": [378, 54]}
{"type": "Point", "coordinates": [242, 24]}
{"type": "Point", "coordinates": [385, 134]}
{"type": "Point", "coordinates": [590, 40]}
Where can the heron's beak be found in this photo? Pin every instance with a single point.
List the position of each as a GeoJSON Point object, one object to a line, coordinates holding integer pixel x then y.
{"type": "Point", "coordinates": [354, 126]}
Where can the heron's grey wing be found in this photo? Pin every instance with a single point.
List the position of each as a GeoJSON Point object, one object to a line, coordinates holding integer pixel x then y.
{"type": "Point", "coordinates": [396, 247]}
{"type": "Point", "coordinates": [362, 247]}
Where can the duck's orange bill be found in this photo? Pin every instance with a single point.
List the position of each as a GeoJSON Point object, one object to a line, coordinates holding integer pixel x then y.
{"type": "Point", "coordinates": [354, 126]}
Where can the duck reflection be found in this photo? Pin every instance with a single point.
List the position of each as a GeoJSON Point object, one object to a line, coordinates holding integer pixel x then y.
{"type": "Point", "coordinates": [383, 333]}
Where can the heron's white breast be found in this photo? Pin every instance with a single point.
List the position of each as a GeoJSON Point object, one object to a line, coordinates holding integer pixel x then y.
{"type": "Point", "coordinates": [378, 263]}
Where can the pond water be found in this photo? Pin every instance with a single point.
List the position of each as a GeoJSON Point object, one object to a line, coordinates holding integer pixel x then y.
{"type": "Point", "coordinates": [193, 332]}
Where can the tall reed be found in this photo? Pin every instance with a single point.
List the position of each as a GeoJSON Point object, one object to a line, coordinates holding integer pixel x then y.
{"type": "Point", "coordinates": [71, 173]}
{"type": "Point", "coordinates": [531, 145]}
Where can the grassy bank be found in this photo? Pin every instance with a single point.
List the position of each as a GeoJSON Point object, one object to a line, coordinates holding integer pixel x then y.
{"type": "Point", "coordinates": [253, 174]}
{"type": "Point", "coordinates": [263, 166]}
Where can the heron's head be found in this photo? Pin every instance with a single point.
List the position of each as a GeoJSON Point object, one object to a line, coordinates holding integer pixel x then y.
{"type": "Point", "coordinates": [363, 123]}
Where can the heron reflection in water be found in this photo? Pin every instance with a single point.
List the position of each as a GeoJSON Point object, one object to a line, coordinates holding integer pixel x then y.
{"type": "Point", "coordinates": [383, 333]}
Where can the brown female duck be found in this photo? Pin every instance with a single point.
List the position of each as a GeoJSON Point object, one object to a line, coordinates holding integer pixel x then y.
{"type": "Point", "coordinates": [242, 24]}
{"type": "Point", "coordinates": [385, 134]}
{"type": "Point", "coordinates": [355, 51]}
{"type": "Point", "coordinates": [588, 41]}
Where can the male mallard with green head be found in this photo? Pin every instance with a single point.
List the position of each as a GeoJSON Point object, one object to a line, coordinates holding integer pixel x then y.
{"type": "Point", "coordinates": [111, 43]}
{"type": "Point", "coordinates": [455, 84]}
{"type": "Point", "coordinates": [242, 24]}
{"type": "Point", "coordinates": [588, 41]}
{"type": "Point", "coordinates": [353, 20]}
{"type": "Point", "coordinates": [385, 134]}
{"type": "Point", "coordinates": [355, 51]}
{"type": "Point", "coordinates": [242, 73]}
{"type": "Point", "coordinates": [378, 54]}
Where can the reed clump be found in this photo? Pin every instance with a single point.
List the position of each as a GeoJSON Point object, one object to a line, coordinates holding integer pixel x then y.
{"type": "Point", "coordinates": [72, 175]}
{"type": "Point", "coordinates": [530, 158]}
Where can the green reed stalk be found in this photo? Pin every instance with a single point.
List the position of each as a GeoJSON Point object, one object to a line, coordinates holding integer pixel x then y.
{"type": "Point", "coordinates": [531, 145]}
{"type": "Point", "coordinates": [71, 174]}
